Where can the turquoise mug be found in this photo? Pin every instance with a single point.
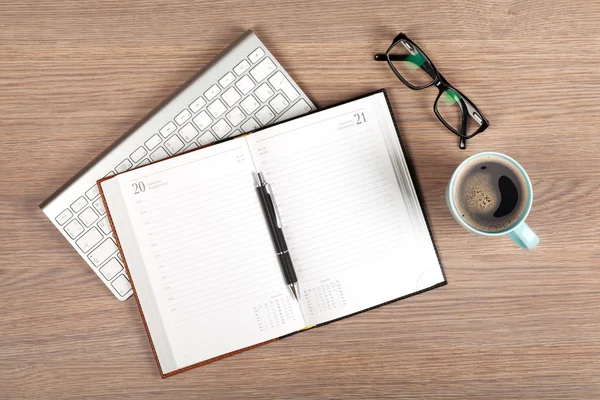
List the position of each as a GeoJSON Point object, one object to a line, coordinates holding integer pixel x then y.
{"type": "Point", "coordinates": [518, 230]}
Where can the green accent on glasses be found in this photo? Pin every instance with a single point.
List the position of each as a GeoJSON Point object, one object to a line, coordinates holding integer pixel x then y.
{"type": "Point", "coordinates": [414, 61]}
{"type": "Point", "coordinates": [450, 97]}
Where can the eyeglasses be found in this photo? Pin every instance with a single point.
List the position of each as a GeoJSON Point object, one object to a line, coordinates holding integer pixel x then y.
{"type": "Point", "coordinates": [412, 66]}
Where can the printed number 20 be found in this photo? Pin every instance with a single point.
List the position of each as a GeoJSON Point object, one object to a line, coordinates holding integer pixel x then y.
{"type": "Point", "coordinates": [138, 187]}
{"type": "Point", "coordinates": [360, 118]}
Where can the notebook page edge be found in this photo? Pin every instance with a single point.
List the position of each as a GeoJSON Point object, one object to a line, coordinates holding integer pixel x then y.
{"type": "Point", "coordinates": [404, 170]}
{"type": "Point", "coordinates": [160, 347]}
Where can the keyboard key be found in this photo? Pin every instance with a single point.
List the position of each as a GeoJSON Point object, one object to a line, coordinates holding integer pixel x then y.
{"type": "Point", "coordinates": [182, 117]}
{"type": "Point", "coordinates": [88, 216]}
{"type": "Point", "coordinates": [280, 82]}
{"type": "Point", "coordinates": [111, 173]}
{"type": "Point", "coordinates": [217, 108]}
{"type": "Point", "coordinates": [264, 92]}
{"type": "Point", "coordinates": [174, 144]}
{"type": "Point", "coordinates": [197, 104]}
{"type": "Point", "coordinates": [168, 129]}
{"type": "Point", "coordinates": [245, 84]}
{"type": "Point", "coordinates": [249, 104]}
{"type": "Point", "coordinates": [226, 80]}
{"type": "Point", "coordinates": [250, 125]}
{"type": "Point", "coordinates": [124, 166]}
{"type": "Point", "coordinates": [103, 252]}
{"type": "Point", "coordinates": [92, 192]}
{"type": "Point", "coordinates": [89, 239]}
{"type": "Point", "coordinates": [206, 138]}
{"type": "Point", "coordinates": [79, 204]}
{"type": "Point", "coordinates": [231, 96]}
{"type": "Point", "coordinates": [188, 132]}
{"type": "Point", "coordinates": [265, 115]}
{"type": "Point", "coordinates": [235, 116]}
{"type": "Point", "coordinates": [191, 146]}
{"type": "Point", "coordinates": [299, 108]}
{"type": "Point", "coordinates": [279, 103]}
{"type": "Point", "coordinates": [212, 92]}
{"type": "Point", "coordinates": [144, 162]}
{"type": "Point", "coordinates": [99, 206]}
{"type": "Point", "coordinates": [111, 269]}
{"type": "Point", "coordinates": [74, 229]}
{"type": "Point", "coordinates": [121, 285]}
{"type": "Point", "coordinates": [153, 142]}
{"type": "Point", "coordinates": [64, 216]}
{"type": "Point", "coordinates": [159, 154]}
{"type": "Point", "coordinates": [104, 225]}
{"type": "Point", "coordinates": [235, 133]}
{"type": "Point", "coordinates": [263, 69]}
{"type": "Point", "coordinates": [221, 129]}
{"type": "Point", "coordinates": [203, 120]}
{"type": "Point", "coordinates": [256, 55]}
{"type": "Point", "coordinates": [119, 256]}
{"type": "Point", "coordinates": [138, 154]}
{"type": "Point", "coordinates": [241, 67]}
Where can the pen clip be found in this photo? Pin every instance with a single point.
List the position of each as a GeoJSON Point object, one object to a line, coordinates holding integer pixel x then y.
{"type": "Point", "coordinates": [277, 216]}
{"type": "Point", "coordinates": [259, 179]}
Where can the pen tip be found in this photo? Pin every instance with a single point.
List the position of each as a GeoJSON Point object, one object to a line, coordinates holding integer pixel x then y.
{"type": "Point", "coordinates": [295, 291]}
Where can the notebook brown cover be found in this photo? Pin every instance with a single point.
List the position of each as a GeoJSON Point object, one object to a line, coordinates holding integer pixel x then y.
{"type": "Point", "coordinates": [411, 170]}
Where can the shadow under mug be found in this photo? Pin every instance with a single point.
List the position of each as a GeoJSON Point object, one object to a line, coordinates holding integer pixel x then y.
{"type": "Point", "coordinates": [518, 231]}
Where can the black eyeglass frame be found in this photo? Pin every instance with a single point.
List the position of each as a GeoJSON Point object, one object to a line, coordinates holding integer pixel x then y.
{"type": "Point", "coordinates": [469, 110]}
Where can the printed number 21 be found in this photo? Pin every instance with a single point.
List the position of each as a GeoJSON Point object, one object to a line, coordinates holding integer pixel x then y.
{"type": "Point", "coordinates": [360, 118]}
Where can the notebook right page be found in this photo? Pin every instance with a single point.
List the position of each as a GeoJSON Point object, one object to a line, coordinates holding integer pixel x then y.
{"type": "Point", "coordinates": [351, 217]}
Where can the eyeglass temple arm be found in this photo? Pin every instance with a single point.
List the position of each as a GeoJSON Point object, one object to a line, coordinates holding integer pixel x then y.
{"type": "Point", "coordinates": [462, 143]}
{"type": "Point", "coordinates": [399, 57]}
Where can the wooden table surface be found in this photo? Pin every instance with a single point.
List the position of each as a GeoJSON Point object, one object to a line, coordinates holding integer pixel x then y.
{"type": "Point", "coordinates": [75, 75]}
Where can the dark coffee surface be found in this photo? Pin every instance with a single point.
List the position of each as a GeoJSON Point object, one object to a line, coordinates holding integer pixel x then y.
{"type": "Point", "coordinates": [490, 193]}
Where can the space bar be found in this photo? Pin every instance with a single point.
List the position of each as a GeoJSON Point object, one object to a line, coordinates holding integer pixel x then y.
{"type": "Point", "coordinates": [299, 108]}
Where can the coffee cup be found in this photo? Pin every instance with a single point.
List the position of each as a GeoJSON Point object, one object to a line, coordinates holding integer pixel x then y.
{"type": "Point", "coordinates": [490, 194]}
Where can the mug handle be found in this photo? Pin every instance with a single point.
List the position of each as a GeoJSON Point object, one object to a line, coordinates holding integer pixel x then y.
{"type": "Point", "coordinates": [524, 237]}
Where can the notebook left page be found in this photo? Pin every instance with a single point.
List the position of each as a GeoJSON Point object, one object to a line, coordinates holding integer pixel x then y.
{"type": "Point", "coordinates": [200, 256]}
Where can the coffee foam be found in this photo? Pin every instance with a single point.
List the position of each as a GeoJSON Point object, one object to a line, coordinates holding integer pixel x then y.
{"type": "Point", "coordinates": [477, 195]}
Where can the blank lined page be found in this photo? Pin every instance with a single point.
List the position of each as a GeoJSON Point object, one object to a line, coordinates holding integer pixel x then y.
{"type": "Point", "coordinates": [207, 253]}
{"type": "Point", "coordinates": [345, 218]}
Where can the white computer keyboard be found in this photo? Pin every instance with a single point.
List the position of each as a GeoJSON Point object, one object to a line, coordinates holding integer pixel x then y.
{"type": "Point", "coordinates": [243, 89]}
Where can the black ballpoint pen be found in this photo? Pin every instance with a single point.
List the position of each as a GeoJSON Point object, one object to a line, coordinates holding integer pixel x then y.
{"type": "Point", "coordinates": [274, 221]}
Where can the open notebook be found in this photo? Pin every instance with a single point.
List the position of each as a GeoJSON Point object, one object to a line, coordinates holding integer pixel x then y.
{"type": "Point", "coordinates": [198, 251]}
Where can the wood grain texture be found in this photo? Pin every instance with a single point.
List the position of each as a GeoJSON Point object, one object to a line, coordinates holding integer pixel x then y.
{"type": "Point", "coordinates": [75, 75]}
